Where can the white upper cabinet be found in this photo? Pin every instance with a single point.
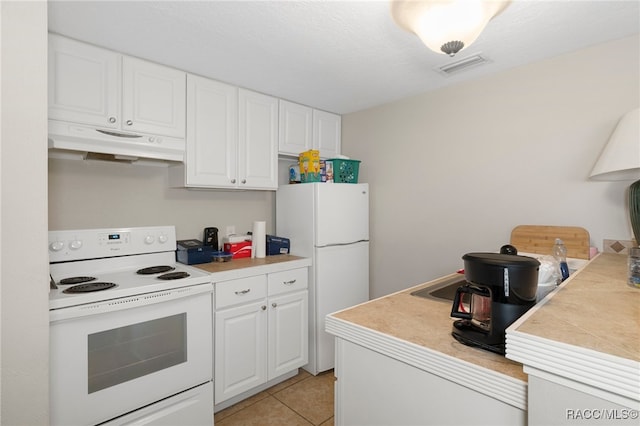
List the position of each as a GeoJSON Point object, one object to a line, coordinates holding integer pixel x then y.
{"type": "Point", "coordinates": [327, 131]}
{"type": "Point", "coordinates": [296, 128]}
{"type": "Point", "coordinates": [232, 137]}
{"type": "Point", "coordinates": [154, 98]}
{"type": "Point", "coordinates": [94, 86]}
{"type": "Point", "coordinates": [303, 128]}
{"type": "Point", "coordinates": [212, 129]}
{"type": "Point", "coordinates": [84, 83]}
{"type": "Point", "coordinates": [257, 140]}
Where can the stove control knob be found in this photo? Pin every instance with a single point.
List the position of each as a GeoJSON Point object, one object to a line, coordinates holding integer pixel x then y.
{"type": "Point", "coordinates": [56, 246]}
{"type": "Point", "coordinates": [75, 244]}
{"type": "Point", "coordinates": [149, 239]}
{"type": "Point", "coordinates": [162, 239]}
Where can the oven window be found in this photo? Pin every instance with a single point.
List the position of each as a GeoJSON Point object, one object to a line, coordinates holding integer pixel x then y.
{"type": "Point", "coordinates": [126, 353]}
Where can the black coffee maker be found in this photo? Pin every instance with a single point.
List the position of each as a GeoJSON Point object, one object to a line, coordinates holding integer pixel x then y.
{"type": "Point", "coordinates": [499, 289]}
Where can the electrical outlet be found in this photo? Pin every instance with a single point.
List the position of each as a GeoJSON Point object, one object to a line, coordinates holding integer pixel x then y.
{"type": "Point", "coordinates": [230, 230]}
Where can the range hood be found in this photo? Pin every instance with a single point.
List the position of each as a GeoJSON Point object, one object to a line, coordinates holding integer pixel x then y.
{"type": "Point", "coordinates": [88, 142]}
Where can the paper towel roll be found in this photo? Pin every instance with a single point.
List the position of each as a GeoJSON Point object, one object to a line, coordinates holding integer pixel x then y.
{"type": "Point", "coordinates": [259, 239]}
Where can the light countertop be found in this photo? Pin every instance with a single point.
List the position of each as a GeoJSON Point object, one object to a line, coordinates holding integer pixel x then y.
{"type": "Point", "coordinates": [417, 331]}
{"type": "Point", "coordinates": [244, 267]}
{"type": "Point", "coordinates": [587, 330]}
{"type": "Point", "coordinates": [593, 317]}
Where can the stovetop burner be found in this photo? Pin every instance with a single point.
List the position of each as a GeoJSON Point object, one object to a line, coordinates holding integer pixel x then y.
{"type": "Point", "coordinates": [76, 280]}
{"type": "Point", "coordinates": [155, 270]}
{"type": "Point", "coordinates": [173, 276]}
{"type": "Point", "coordinates": [90, 287]}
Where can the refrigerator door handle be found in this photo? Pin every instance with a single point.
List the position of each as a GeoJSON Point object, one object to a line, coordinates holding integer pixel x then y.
{"type": "Point", "coordinates": [343, 244]}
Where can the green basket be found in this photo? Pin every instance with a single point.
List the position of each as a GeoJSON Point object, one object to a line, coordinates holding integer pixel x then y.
{"type": "Point", "coordinates": [345, 171]}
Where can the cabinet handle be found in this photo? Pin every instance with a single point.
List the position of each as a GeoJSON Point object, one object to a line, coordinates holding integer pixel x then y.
{"type": "Point", "coordinates": [233, 181]}
{"type": "Point", "coordinates": [129, 122]}
{"type": "Point", "coordinates": [289, 282]}
{"type": "Point", "coordinates": [112, 119]}
{"type": "Point", "coordinates": [274, 304]}
{"type": "Point", "coordinates": [263, 307]}
{"type": "Point", "coordinates": [241, 292]}
{"type": "Point", "coordinates": [244, 181]}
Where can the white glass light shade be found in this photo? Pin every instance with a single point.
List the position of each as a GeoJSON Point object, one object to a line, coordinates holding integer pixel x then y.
{"type": "Point", "coordinates": [620, 159]}
{"type": "Point", "coordinates": [437, 22]}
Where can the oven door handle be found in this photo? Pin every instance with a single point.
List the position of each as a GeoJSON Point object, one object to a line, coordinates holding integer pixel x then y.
{"type": "Point", "coordinates": [127, 302]}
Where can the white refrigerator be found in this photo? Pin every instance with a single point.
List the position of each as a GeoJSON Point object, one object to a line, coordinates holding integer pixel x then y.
{"type": "Point", "coordinates": [329, 223]}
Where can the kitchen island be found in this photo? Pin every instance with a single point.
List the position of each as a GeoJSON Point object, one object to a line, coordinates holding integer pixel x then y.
{"type": "Point", "coordinates": [581, 348]}
{"type": "Point", "coordinates": [396, 362]}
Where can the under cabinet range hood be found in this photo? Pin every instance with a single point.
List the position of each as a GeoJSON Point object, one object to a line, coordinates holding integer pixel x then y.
{"type": "Point", "coordinates": [68, 140]}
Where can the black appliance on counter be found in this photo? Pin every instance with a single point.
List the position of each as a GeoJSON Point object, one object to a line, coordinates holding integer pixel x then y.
{"type": "Point", "coordinates": [499, 289]}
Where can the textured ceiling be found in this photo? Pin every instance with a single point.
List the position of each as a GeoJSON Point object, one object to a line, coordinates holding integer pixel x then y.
{"type": "Point", "coordinates": [340, 56]}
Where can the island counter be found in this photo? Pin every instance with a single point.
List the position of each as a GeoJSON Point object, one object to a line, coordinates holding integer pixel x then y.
{"type": "Point", "coordinates": [580, 347]}
{"type": "Point", "coordinates": [574, 353]}
{"type": "Point", "coordinates": [397, 363]}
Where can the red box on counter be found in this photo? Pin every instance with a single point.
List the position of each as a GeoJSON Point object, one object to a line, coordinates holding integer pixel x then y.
{"type": "Point", "coordinates": [238, 250]}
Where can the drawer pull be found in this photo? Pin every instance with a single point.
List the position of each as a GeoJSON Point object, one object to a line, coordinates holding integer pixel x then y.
{"type": "Point", "coordinates": [274, 305]}
{"type": "Point", "coordinates": [292, 282]}
{"type": "Point", "coordinates": [241, 292]}
{"type": "Point", "coordinates": [263, 307]}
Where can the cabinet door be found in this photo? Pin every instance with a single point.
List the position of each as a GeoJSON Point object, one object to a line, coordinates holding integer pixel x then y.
{"type": "Point", "coordinates": [240, 339]}
{"type": "Point", "coordinates": [295, 131]}
{"type": "Point", "coordinates": [327, 131]}
{"type": "Point", "coordinates": [288, 333]}
{"type": "Point", "coordinates": [212, 123]}
{"type": "Point", "coordinates": [154, 98]}
{"type": "Point", "coordinates": [257, 141]}
{"type": "Point", "coordinates": [84, 83]}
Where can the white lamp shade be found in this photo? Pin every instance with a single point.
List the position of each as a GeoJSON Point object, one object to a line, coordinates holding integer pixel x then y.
{"type": "Point", "coordinates": [437, 22]}
{"type": "Point", "coordinates": [620, 159]}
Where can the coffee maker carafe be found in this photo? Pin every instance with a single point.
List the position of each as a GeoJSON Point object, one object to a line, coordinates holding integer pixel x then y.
{"type": "Point", "coordinates": [499, 289]}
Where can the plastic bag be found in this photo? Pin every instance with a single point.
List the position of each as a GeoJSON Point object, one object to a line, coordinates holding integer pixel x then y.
{"type": "Point", "coordinates": [549, 271]}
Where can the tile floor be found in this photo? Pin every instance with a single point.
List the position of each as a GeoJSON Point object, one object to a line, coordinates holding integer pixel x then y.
{"type": "Point", "coordinates": [302, 400]}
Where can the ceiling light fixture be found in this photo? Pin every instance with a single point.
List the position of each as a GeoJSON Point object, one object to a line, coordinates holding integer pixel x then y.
{"type": "Point", "coordinates": [446, 26]}
{"type": "Point", "coordinates": [620, 160]}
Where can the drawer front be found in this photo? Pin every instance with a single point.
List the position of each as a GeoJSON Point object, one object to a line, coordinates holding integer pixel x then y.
{"type": "Point", "coordinates": [285, 281]}
{"type": "Point", "coordinates": [243, 290]}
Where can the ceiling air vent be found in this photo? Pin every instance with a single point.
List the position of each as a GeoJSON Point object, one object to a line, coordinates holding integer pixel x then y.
{"type": "Point", "coordinates": [463, 64]}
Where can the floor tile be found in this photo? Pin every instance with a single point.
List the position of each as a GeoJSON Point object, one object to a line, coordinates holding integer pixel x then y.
{"type": "Point", "coordinates": [266, 412]}
{"type": "Point", "coordinates": [295, 379]}
{"type": "Point", "coordinates": [239, 406]}
{"type": "Point", "coordinates": [312, 397]}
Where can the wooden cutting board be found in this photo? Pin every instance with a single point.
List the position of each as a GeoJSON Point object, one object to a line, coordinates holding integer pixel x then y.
{"type": "Point", "coordinates": [540, 239]}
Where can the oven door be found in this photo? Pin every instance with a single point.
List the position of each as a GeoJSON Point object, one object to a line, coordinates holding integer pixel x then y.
{"type": "Point", "coordinates": [111, 358]}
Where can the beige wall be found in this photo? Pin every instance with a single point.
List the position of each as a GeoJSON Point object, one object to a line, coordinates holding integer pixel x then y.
{"type": "Point", "coordinates": [99, 194]}
{"type": "Point", "coordinates": [24, 307]}
{"type": "Point", "coordinates": [453, 171]}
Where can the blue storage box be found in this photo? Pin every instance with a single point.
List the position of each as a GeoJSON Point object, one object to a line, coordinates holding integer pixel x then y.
{"type": "Point", "coordinates": [191, 252]}
{"type": "Point", "coordinates": [277, 245]}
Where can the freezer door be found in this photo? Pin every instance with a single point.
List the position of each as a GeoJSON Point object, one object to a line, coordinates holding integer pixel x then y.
{"type": "Point", "coordinates": [341, 281]}
{"type": "Point", "coordinates": [342, 213]}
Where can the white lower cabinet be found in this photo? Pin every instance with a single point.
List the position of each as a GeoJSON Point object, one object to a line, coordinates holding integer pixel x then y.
{"type": "Point", "coordinates": [261, 330]}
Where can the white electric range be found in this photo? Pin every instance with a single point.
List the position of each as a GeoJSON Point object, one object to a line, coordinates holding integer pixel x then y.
{"type": "Point", "coordinates": [131, 329]}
